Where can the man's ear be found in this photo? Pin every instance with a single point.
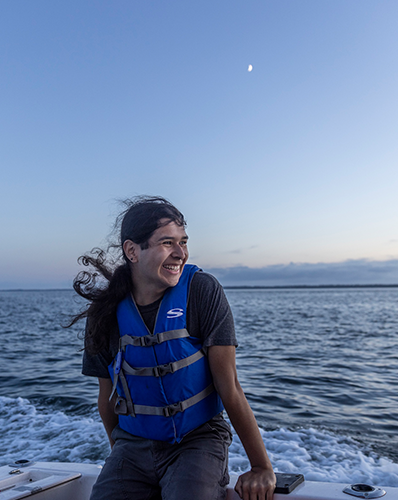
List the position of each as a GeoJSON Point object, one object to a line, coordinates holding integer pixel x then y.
{"type": "Point", "coordinates": [131, 250]}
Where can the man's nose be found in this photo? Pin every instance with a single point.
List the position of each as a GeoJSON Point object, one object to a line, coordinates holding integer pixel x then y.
{"type": "Point", "coordinates": [178, 251]}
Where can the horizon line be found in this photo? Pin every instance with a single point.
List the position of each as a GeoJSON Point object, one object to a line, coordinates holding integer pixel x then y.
{"type": "Point", "coordinates": [230, 287]}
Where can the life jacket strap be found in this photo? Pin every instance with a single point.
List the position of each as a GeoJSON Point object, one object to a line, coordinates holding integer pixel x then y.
{"type": "Point", "coordinates": [126, 407]}
{"type": "Point", "coordinates": [150, 340]}
{"type": "Point", "coordinates": [117, 365]}
{"type": "Point", "coordinates": [151, 371]}
{"type": "Point", "coordinates": [161, 370]}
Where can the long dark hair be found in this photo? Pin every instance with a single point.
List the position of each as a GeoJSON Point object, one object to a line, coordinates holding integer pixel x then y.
{"type": "Point", "coordinates": [107, 280]}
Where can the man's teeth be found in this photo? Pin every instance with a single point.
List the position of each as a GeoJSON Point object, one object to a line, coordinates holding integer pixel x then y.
{"type": "Point", "coordinates": [172, 268]}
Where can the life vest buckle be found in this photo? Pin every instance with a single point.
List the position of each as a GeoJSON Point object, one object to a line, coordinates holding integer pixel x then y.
{"type": "Point", "coordinates": [162, 370]}
{"type": "Point", "coordinates": [149, 340]}
{"type": "Point", "coordinates": [171, 410]}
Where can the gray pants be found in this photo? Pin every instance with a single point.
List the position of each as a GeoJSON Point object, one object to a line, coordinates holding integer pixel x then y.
{"type": "Point", "coordinates": [142, 469]}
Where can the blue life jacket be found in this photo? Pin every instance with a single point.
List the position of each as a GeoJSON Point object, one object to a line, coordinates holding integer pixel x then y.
{"type": "Point", "coordinates": [163, 380]}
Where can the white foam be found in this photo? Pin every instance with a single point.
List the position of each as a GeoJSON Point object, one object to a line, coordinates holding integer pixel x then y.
{"type": "Point", "coordinates": [46, 435]}
{"type": "Point", "coordinates": [319, 456]}
{"type": "Point", "coordinates": [28, 433]}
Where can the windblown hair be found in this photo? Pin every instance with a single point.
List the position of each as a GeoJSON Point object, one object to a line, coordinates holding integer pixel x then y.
{"type": "Point", "coordinates": [108, 280]}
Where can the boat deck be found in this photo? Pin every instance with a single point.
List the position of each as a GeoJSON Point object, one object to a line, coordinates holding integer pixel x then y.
{"type": "Point", "coordinates": [66, 481]}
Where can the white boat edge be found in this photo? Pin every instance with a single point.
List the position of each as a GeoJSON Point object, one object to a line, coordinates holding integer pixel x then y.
{"type": "Point", "coordinates": [67, 480]}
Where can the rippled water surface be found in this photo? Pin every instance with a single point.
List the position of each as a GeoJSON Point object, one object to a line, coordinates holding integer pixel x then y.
{"type": "Point", "coordinates": [321, 357]}
{"type": "Point", "coordinates": [319, 367]}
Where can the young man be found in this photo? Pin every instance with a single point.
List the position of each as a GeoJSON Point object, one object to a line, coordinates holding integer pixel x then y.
{"type": "Point", "coordinates": [160, 338]}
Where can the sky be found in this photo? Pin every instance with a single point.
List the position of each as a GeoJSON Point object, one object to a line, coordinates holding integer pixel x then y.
{"type": "Point", "coordinates": [286, 174]}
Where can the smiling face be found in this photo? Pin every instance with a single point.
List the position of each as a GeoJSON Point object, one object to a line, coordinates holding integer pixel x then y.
{"type": "Point", "coordinates": [158, 267]}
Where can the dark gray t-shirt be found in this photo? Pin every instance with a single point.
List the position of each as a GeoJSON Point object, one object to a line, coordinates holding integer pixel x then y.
{"type": "Point", "coordinates": [209, 318]}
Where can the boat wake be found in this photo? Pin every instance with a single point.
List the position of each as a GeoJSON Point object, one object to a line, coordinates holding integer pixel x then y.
{"type": "Point", "coordinates": [35, 433]}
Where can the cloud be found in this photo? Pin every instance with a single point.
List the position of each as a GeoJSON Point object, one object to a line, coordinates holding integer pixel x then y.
{"type": "Point", "coordinates": [240, 250]}
{"type": "Point", "coordinates": [349, 272]}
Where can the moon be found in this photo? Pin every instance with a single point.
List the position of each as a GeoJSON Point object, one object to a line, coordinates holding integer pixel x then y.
{"type": "Point", "coordinates": [250, 68]}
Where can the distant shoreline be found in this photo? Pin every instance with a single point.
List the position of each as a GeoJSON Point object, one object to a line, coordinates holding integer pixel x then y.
{"type": "Point", "coordinates": [226, 287]}
{"type": "Point", "coordinates": [273, 287]}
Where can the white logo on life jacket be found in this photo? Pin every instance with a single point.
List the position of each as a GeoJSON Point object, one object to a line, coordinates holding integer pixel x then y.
{"type": "Point", "coordinates": [175, 313]}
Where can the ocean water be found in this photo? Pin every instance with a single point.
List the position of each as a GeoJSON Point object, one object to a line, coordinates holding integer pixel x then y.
{"type": "Point", "coordinates": [319, 368]}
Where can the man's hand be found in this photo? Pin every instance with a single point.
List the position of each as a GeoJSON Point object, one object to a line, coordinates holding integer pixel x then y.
{"type": "Point", "coordinates": [256, 484]}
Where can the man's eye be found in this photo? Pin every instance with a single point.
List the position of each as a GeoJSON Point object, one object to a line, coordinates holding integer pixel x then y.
{"type": "Point", "coordinates": [183, 243]}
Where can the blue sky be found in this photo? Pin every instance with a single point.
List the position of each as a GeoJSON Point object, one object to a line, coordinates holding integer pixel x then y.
{"type": "Point", "coordinates": [293, 162]}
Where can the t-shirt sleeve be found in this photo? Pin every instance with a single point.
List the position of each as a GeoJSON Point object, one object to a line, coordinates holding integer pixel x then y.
{"type": "Point", "coordinates": [209, 315]}
{"type": "Point", "coordinates": [96, 365]}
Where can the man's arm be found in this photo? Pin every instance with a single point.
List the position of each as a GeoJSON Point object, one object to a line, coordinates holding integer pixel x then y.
{"type": "Point", "coordinates": [105, 407]}
{"type": "Point", "coordinates": [260, 481]}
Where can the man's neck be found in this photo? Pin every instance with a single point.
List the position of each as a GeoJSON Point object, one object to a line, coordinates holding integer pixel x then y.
{"type": "Point", "coordinates": [145, 296]}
